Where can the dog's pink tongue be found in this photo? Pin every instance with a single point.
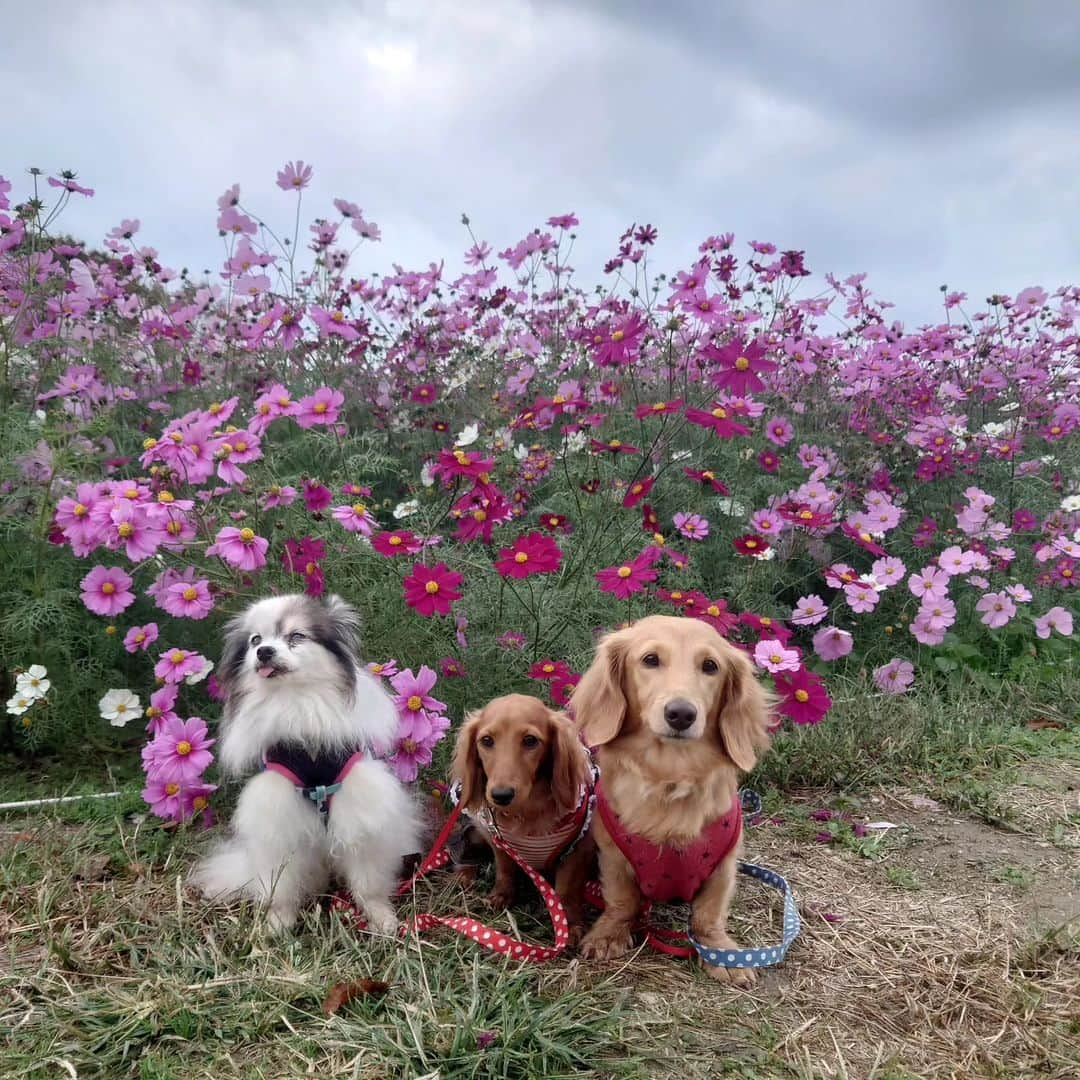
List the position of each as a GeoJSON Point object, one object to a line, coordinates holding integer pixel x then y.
{"type": "Point", "coordinates": [266, 672]}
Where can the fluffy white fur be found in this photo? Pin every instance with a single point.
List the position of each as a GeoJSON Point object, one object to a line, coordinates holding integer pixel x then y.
{"type": "Point", "coordinates": [310, 689]}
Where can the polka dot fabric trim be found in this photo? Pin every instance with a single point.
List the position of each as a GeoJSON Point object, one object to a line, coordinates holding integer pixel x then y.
{"type": "Point", "coordinates": [756, 958]}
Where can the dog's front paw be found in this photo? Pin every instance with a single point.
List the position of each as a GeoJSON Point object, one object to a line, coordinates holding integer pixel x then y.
{"type": "Point", "coordinates": [574, 933]}
{"type": "Point", "coordinates": [606, 942]}
{"type": "Point", "coordinates": [500, 899]}
{"type": "Point", "coordinates": [743, 978]}
{"type": "Point", "coordinates": [380, 917]}
{"type": "Point", "coordinates": [280, 919]}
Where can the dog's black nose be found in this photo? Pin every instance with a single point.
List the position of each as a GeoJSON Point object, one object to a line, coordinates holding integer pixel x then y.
{"type": "Point", "coordinates": [265, 653]}
{"type": "Point", "coordinates": [679, 714]}
{"type": "Point", "coordinates": [504, 796]}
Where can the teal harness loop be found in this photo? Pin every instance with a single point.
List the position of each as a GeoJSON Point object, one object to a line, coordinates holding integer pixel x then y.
{"type": "Point", "coordinates": [320, 795]}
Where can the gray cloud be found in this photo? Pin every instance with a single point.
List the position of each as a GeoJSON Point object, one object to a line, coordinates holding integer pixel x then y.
{"type": "Point", "coordinates": [924, 143]}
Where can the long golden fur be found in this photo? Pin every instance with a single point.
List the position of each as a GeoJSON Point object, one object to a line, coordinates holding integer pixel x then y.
{"type": "Point", "coordinates": [666, 783]}
{"type": "Point", "coordinates": [517, 745]}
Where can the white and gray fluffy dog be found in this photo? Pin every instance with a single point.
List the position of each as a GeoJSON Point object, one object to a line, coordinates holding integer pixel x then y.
{"type": "Point", "coordinates": [298, 697]}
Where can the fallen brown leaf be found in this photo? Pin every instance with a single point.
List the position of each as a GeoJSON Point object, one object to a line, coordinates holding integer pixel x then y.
{"type": "Point", "coordinates": [96, 868]}
{"type": "Point", "coordinates": [342, 993]}
{"type": "Point", "coordinates": [1043, 725]}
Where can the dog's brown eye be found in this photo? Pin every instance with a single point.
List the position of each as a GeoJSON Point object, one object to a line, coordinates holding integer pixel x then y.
{"type": "Point", "coordinates": [530, 741]}
{"type": "Point", "coordinates": [486, 741]}
{"type": "Point", "coordinates": [651, 660]}
{"type": "Point", "coordinates": [255, 639]}
{"type": "Point", "coordinates": [710, 667]}
{"type": "Point", "coordinates": [296, 637]}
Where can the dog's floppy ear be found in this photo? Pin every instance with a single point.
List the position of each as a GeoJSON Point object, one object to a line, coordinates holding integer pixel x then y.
{"type": "Point", "coordinates": [569, 765]}
{"type": "Point", "coordinates": [231, 662]}
{"type": "Point", "coordinates": [745, 710]}
{"type": "Point", "coordinates": [346, 620]}
{"type": "Point", "coordinates": [467, 767]}
{"type": "Point", "coordinates": [598, 700]}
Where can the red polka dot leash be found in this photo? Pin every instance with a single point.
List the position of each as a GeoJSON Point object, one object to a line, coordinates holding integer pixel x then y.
{"type": "Point", "coordinates": [494, 940]}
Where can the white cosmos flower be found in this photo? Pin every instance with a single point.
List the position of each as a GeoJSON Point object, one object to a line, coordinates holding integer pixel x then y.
{"type": "Point", "coordinates": [406, 509]}
{"type": "Point", "coordinates": [521, 452]}
{"type": "Point", "coordinates": [33, 683]}
{"type": "Point", "coordinates": [732, 508]}
{"type": "Point", "coordinates": [427, 478]}
{"type": "Point", "coordinates": [577, 442]}
{"type": "Point", "coordinates": [468, 435]}
{"type": "Point", "coordinates": [17, 705]}
{"type": "Point", "coordinates": [198, 676]}
{"type": "Point", "coordinates": [120, 706]}
{"type": "Point", "coordinates": [1070, 504]}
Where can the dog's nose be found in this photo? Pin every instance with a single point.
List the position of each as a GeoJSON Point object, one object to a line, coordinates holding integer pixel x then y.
{"type": "Point", "coordinates": [504, 796]}
{"type": "Point", "coordinates": [679, 714]}
{"type": "Point", "coordinates": [265, 653]}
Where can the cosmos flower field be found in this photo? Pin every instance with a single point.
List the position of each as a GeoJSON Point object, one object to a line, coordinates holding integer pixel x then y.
{"type": "Point", "coordinates": [497, 463]}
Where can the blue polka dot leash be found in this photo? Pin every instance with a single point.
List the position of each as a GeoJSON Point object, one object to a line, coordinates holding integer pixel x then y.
{"type": "Point", "coordinates": [756, 958]}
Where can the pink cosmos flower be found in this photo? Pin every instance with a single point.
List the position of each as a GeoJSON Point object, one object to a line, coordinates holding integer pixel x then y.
{"type": "Point", "coordinates": [322, 407]}
{"type": "Point", "coordinates": [189, 600]}
{"type": "Point", "coordinates": [929, 582]}
{"type": "Point", "coordinates": [692, 526]}
{"type": "Point", "coordinates": [160, 709]}
{"type": "Point", "coordinates": [861, 597]}
{"type": "Point", "coordinates": [937, 614]}
{"type": "Point", "coordinates": [767, 523]}
{"type": "Point", "coordinates": [832, 643]}
{"type": "Point", "coordinates": [779, 431]}
{"type": "Point", "coordinates": [295, 176]}
{"type": "Point", "coordinates": [888, 571]}
{"type": "Point", "coordinates": [317, 497]}
{"type": "Point", "coordinates": [809, 611]}
{"type": "Point", "coordinates": [1021, 594]}
{"type": "Point", "coordinates": [414, 692]}
{"type": "Point", "coordinates": [1058, 619]}
{"type": "Point", "coordinates": [276, 402]}
{"type": "Point", "coordinates": [399, 542]}
{"type": "Point", "coordinates": [279, 495]}
{"type": "Point", "coordinates": [955, 561]}
{"type": "Point", "coordinates": [177, 664]}
{"type": "Point", "coordinates": [356, 518]}
{"type": "Point", "coordinates": [180, 751]}
{"type": "Point", "coordinates": [106, 590]}
{"type": "Point", "coordinates": [925, 632]}
{"type": "Point", "coordinates": [431, 590]}
{"type": "Point", "coordinates": [895, 677]}
{"type": "Point", "coordinates": [804, 698]}
{"type": "Point", "coordinates": [997, 609]}
{"type": "Point", "coordinates": [772, 656]}
{"type": "Point", "coordinates": [240, 548]}
{"type": "Point", "coordinates": [387, 669]}
{"type": "Point", "coordinates": [140, 638]}
{"type": "Point", "coordinates": [177, 801]}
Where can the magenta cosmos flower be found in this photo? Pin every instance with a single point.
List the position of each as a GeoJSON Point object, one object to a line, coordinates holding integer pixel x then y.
{"type": "Point", "coordinates": [240, 548]}
{"type": "Point", "coordinates": [399, 542]}
{"type": "Point", "coordinates": [140, 638]}
{"type": "Point", "coordinates": [740, 366]}
{"type": "Point", "coordinates": [692, 526]}
{"type": "Point", "coordinates": [414, 692]}
{"type": "Point", "coordinates": [106, 590]}
{"type": "Point", "coordinates": [177, 664]}
{"type": "Point", "coordinates": [718, 421]}
{"type": "Point", "coordinates": [322, 407]}
{"type": "Point", "coordinates": [430, 590]}
{"type": "Point", "coordinates": [804, 698]}
{"type": "Point", "coordinates": [356, 518]}
{"type": "Point", "coordinates": [832, 643]}
{"type": "Point", "coordinates": [176, 801]}
{"type": "Point", "coordinates": [188, 599]}
{"type": "Point", "coordinates": [630, 578]}
{"type": "Point", "coordinates": [894, 677]}
{"type": "Point", "coordinates": [180, 751]}
{"type": "Point", "coordinates": [532, 554]}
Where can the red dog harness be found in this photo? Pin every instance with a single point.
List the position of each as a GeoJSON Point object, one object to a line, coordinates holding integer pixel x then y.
{"type": "Point", "coordinates": [666, 873]}
{"type": "Point", "coordinates": [318, 778]}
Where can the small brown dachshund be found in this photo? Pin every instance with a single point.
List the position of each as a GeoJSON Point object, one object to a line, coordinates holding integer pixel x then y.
{"type": "Point", "coordinates": [525, 774]}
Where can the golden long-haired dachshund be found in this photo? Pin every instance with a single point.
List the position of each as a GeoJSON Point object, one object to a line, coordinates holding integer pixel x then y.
{"type": "Point", "coordinates": [524, 771]}
{"type": "Point", "coordinates": [676, 712]}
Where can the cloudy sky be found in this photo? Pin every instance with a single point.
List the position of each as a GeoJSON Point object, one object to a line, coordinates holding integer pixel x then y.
{"type": "Point", "coordinates": [922, 142]}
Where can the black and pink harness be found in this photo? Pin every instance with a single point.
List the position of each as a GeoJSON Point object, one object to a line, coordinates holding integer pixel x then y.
{"type": "Point", "coordinates": [316, 778]}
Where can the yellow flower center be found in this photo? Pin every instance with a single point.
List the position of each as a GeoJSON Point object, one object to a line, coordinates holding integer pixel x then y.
{"type": "Point", "coordinates": [338, 316]}
{"type": "Point", "coordinates": [125, 530]}
{"type": "Point", "coordinates": [177, 437]}
{"type": "Point", "coordinates": [806, 515]}
{"type": "Point", "coordinates": [659, 406]}
{"type": "Point", "coordinates": [712, 610]}
{"type": "Point", "coordinates": [751, 543]}
{"type": "Point", "coordinates": [415, 703]}
{"type": "Point", "coordinates": [618, 336]}
{"type": "Point", "coordinates": [264, 409]}
{"type": "Point", "coordinates": [395, 541]}
{"type": "Point", "coordinates": [183, 748]}
{"type": "Point", "coordinates": [637, 488]}
{"type": "Point", "coordinates": [553, 522]}
{"type": "Point", "coordinates": [121, 708]}
{"type": "Point", "coordinates": [776, 658]}
{"type": "Point", "coordinates": [140, 637]}
{"type": "Point", "coordinates": [461, 457]}
{"type": "Point", "coordinates": [802, 696]}
{"type": "Point", "coordinates": [247, 536]}
{"type": "Point", "coordinates": [80, 510]}
{"type": "Point", "coordinates": [172, 789]}
{"type": "Point", "coordinates": [191, 594]}
{"type": "Point", "coordinates": [720, 413]}
{"type": "Point", "coordinates": [166, 497]}
{"type": "Point", "coordinates": [431, 588]}
{"type": "Point", "coordinates": [149, 444]}
{"type": "Point", "coordinates": [615, 444]}
{"type": "Point", "coordinates": [624, 571]}
{"type": "Point", "coordinates": [108, 588]}
{"type": "Point", "coordinates": [320, 408]}
{"type": "Point", "coordinates": [200, 802]}
{"type": "Point", "coordinates": [153, 711]}
{"type": "Point", "coordinates": [111, 631]}
{"type": "Point", "coordinates": [214, 408]}
{"type": "Point", "coordinates": [558, 399]}
{"type": "Point", "coordinates": [177, 657]}
{"type": "Point", "coordinates": [174, 528]}
{"type": "Point", "coordinates": [284, 402]}
{"type": "Point", "coordinates": [359, 509]}
{"type": "Point", "coordinates": [521, 557]}
{"type": "Point", "coordinates": [547, 669]}
{"type": "Point", "coordinates": [766, 621]}
{"type": "Point", "coordinates": [742, 364]}
{"type": "Point", "coordinates": [479, 515]}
